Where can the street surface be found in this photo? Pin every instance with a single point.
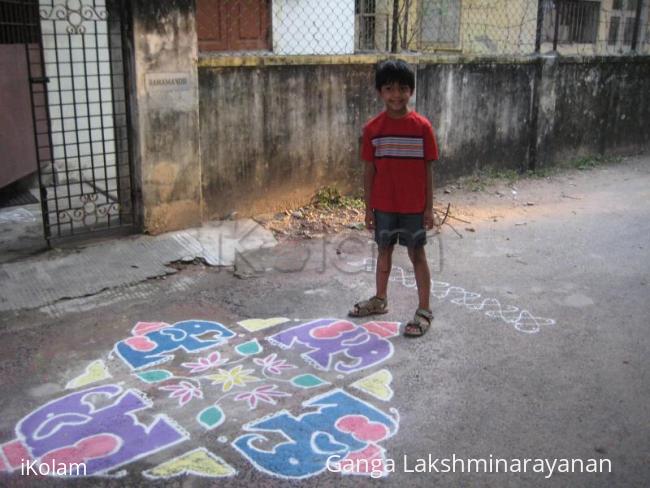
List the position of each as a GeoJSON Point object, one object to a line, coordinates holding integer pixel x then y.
{"type": "Point", "coordinates": [254, 376]}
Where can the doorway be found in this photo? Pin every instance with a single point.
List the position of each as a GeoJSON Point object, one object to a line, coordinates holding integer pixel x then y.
{"type": "Point", "coordinates": [77, 81]}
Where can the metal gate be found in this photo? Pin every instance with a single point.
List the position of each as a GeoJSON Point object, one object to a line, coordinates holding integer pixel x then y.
{"type": "Point", "coordinates": [80, 111]}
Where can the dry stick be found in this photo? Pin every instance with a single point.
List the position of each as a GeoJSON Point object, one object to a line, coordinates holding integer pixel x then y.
{"type": "Point", "coordinates": [460, 220]}
{"type": "Point", "coordinates": [444, 220]}
{"type": "Point", "coordinates": [451, 216]}
{"type": "Point", "coordinates": [457, 233]}
{"type": "Point", "coordinates": [446, 214]}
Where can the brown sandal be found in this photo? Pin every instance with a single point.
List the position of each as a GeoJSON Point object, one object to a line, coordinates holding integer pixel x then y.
{"type": "Point", "coordinates": [372, 306]}
{"type": "Point", "coordinates": [422, 320]}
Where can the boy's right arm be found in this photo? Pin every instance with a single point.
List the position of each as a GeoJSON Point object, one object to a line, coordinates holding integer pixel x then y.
{"type": "Point", "coordinates": [368, 177]}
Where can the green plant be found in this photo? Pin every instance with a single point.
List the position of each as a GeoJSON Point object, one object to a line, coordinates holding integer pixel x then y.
{"type": "Point", "coordinates": [353, 202]}
{"type": "Point", "coordinates": [590, 162]}
{"type": "Point", "coordinates": [479, 180]}
{"type": "Point", "coordinates": [541, 172]}
{"type": "Point", "coordinates": [474, 183]}
{"type": "Point", "coordinates": [330, 197]}
{"type": "Point", "coordinates": [585, 163]}
{"type": "Point", "coordinates": [327, 195]}
{"type": "Point", "coordinates": [509, 175]}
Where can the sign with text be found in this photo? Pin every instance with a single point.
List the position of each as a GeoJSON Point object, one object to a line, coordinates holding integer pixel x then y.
{"type": "Point", "coordinates": [167, 82]}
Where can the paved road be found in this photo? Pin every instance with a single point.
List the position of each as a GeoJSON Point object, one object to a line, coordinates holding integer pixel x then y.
{"type": "Point", "coordinates": [539, 351]}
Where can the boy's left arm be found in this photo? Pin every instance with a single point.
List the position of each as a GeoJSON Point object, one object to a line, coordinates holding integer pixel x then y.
{"type": "Point", "coordinates": [428, 207]}
{"type": "Point", "coordinates": [430, 155]}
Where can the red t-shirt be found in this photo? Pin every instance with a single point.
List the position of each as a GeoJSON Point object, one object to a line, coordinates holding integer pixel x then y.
{"type": "Point", "coordinates": [399, 148]}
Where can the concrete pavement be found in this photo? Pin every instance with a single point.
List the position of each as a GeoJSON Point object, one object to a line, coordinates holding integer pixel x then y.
{"type": "Point", "coordinates": [539, 351]}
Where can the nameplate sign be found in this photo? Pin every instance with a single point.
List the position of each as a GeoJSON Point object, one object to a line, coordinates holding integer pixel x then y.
{"type": "Point", "coordinates": [167, 82]}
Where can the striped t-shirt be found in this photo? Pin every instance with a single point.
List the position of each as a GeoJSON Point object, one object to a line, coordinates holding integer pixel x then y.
{"type": "Point", "coordinates": [399, 149]}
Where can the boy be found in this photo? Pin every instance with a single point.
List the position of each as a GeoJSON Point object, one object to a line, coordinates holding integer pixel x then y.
{"type": "Point", "coordinates": [398, 148]}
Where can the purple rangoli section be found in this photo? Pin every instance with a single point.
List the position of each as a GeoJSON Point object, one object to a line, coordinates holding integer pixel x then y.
{"type": "Point", "coordinates": [103, 427]}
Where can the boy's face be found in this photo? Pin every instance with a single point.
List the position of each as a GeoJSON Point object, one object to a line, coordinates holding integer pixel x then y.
{"type": "Point", "coordinates": [395, 97]}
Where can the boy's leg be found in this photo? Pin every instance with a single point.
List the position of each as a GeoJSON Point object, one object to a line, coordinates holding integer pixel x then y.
{"type": "Point", "coordinates": [386, 238]}
{"type": "Point", "coordinates": [423, 282]}
{"type": "Point", "coordinates": [413, 237]}
{"type": "Point", "coordinates": [384, 265]}
{"type": "Point", "coordinates": [422, 275]}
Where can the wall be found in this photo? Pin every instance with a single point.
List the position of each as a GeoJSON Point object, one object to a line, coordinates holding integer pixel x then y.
{"type": "Point", "coordinates": [332, 32]}
{"type": "Point", "coordinates": [308, 27]}
{"type": "Point", "coordinates": [480, 111]}
{"type": "Point", "coordinates": [18, 155]}
{"type": "Point", "coordinates": [499, 27]}
{"type": "Point", "coordinates": [271, 135]}
{"type": "Point", "coordinates": [273, 129]}
{"type": "Point", "coordinates": [524, 114]}
{"type": "Point", "coordinates": [593, 106]}
{"type": "Point", "coordinates": [166, 116]}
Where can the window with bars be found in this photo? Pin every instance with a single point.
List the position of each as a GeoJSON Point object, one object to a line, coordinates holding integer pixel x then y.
{"type": "Point", "coordinates": [621, 23]}
{"type": "Point", "coordinates": [372, 25]}
{"type": "Point", "coordinates": [365, 16]}
{"type": "Point", "coordinates": [578, 21]}
{"type": "Point", "coordinates": [19, 22]}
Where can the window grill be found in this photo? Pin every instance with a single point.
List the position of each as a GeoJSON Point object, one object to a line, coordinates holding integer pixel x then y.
{"type": "Point", "coordinates": [18, 22]}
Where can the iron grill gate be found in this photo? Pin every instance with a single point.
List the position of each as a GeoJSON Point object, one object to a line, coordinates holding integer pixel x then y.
{"type": "Point", "coordinates": [80, 107]}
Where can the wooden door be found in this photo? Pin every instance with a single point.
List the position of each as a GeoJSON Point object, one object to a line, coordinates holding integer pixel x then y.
{"type": "Point", "coordinates": [233, 25]}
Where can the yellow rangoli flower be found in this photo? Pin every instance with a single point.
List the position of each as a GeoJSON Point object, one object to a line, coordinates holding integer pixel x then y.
{"type": "Point", "coordinates": [235, 377]}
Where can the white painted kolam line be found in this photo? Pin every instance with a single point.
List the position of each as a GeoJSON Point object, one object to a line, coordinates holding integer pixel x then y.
{"type": "Point", "coordinates": [521, 319]}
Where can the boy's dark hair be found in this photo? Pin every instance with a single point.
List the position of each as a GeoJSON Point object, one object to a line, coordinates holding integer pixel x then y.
{"type": "Point", "coordinates": [394, 70]}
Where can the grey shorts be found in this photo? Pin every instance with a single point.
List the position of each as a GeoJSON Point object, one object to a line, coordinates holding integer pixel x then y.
{"type": "Point", "coordinates": [407, 229]}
